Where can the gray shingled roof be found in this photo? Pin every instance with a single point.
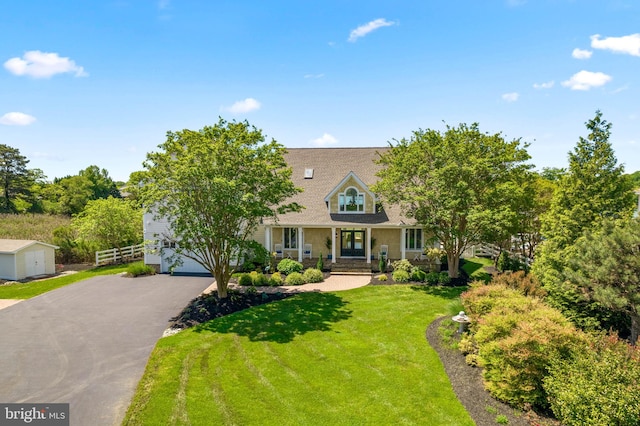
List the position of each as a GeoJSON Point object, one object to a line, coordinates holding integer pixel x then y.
{"type": "Point", "coordinates": [14, 246]}
{"type": "Point", "coordinates": [330, 166]}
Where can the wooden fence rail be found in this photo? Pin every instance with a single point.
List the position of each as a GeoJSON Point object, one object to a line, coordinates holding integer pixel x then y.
{"type": "Point", "coordinates": [490, 250]}
{"type": "Point", "coordinates": [114, 255]}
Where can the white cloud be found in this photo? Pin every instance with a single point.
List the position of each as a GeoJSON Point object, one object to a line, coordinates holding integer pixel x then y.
{"type": "Point", "coordinates": [629, 44]}
{"type": "Point", "coordinates": [247, 105]}
{"type": "Point", "coordinates": [546, 85]}
{"type": "Point", "coordinates": [510, 97]}
{"type": "Point", "coordinates": [313, 75]}
{"type": "Point", "coordinates": [325, 140]}
{"type": "Point", "coordinates": [585, 80]}
{"type": "Point", "coordinates": [17, 119]}
{"type": "Point", "coordinates": [46, 155]}
{"type": "Point", "coordinates": [581, 54]}
{"type": "Point", "coordinates": [164, 4]}
{"type": "Point", "coordinates": [37, 64]}
{"type": "Point", "coordinates": [365, 29]}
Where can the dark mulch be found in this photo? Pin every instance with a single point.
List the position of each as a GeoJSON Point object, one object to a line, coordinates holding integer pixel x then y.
{"type": "Point", "coordinates": [469, 388]}
{"type": "Point", "coordinates": [208, 306]}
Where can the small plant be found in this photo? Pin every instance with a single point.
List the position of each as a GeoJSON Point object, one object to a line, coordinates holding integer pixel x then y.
{"type": "Point", "coordinates": [383, 277]}
{"type": "Point", "coordinates": [400, 276]}
{"type": "Point", "coordinates": [432, 278]}
{"type": "Point", "coordinates": [294, 278]}
{"type": "Point", "coordinates": [276, 279]}
{"type": "Point", "coordinates": [137, 269]}
{"type": "Point", "coordinates": [444, 278]}
{"type": "Point", "coordinates": [320, 263]}
{"type": "Point", "coordinates": [312, 275]}
{"type": "Point", "coordinates": [382, 264]}
{"type": "Point", "coordinates": [245, 280]}
{"type": "Point", "coordinates": [491, 410]}
{"type": "Point", "coordinates": [258, 279]}
{"type": "Point", "coordinates": [418, 275]}
{"type": "Point", "coordinates": [287, 266]}
{"type": "Point", "coordinates": [501, 419]}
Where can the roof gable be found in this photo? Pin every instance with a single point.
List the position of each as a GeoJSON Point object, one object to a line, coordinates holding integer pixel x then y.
{"type": "Point", "coordinates": [341, 186]}
{"type": "Point", "coordinates": [14, 246]}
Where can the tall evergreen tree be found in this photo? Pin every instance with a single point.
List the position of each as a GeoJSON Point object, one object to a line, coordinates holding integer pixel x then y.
{"type": "Point", "coordinates": [14, 176]}
{"type": "Point", "coordinates": [593, 189]}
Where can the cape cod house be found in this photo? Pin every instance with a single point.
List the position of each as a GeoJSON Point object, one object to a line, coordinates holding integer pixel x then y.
{"type": "Point", "coordinates": [342, 218]}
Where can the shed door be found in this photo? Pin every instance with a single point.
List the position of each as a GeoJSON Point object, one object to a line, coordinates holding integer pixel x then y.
{"type": "Point", "coordinates": [34, 263]}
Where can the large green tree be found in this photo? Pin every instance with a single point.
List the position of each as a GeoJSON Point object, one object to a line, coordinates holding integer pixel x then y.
{"type": "Point", "coordinates": [457, 184]}
{"type": "Point", "coordinates": [110, 223]}
{"type": "Point", "coordinates": [14, 176]}
{"type": "Point", "coordinates": [605, 266]}
{"type": "Point", "coordinates": [102, 186]}
{"type": "Point", "coordinates": [593, 189]}
{"type": "Point", "coordinates": [214, 186]}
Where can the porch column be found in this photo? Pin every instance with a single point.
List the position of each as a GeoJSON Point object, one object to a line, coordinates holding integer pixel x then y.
{"type": "Point", "coordinates": [368, 251]}
{"type": "Point", "coordinates": [403, 244]}
{"type": "Point", "coordinates": [300, 244]}
{"type": "Point", "coordinates": [267, 239]}
{"type": "Point", "coordinates": [333, 245]}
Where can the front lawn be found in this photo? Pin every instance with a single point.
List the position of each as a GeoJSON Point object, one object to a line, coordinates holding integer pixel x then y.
{"type": "Point", "coordinates": [357, 357]}
{"type": "Point", "coordinates": [35, 288]}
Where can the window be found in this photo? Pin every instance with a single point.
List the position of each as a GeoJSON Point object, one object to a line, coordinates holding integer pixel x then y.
{"type": "Point", "coordinates": [168, 244]}
{"type": "Point", "coordinates": [351, 201]}
{"type": "Point", "coordinates": [290, 238]}
{"type": "Point", "coordinates": [413, 239]}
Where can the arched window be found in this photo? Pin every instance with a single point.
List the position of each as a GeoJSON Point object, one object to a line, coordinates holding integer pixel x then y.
{"type": "Point", "coordinates": [351, 201]}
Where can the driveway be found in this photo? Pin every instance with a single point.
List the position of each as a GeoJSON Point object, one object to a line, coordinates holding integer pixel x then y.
{"type": "Point", "coordinates": [87, 344]}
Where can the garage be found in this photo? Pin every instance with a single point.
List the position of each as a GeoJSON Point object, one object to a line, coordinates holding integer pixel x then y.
{"type": "Point", "coordinates": [21, 259]}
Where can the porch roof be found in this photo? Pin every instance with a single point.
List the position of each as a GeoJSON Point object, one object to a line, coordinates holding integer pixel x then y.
{"type": "Point", "coordinates": [330, 166]}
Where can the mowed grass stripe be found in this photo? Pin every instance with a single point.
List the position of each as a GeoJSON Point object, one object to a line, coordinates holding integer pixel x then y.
{"type": "Point", "coordinates": [350, 358]}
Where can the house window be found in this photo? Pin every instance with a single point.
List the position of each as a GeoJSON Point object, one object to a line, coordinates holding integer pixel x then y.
{"type": "Point", "coordinates": [290, 238]}
{"type": "Point", "coordinates": [413, 240]}
{"type": "Point", "coordinates": [351, 201]}
{"type": "Point", "coordinates": [168, 244]}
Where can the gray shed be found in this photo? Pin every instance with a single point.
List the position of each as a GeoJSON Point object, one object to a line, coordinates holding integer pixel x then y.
{"type": "Point", "coordinates": [26, 258]}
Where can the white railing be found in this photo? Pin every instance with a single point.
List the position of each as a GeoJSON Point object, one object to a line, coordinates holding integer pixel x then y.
{"type": "Point", "coordinates": [493, 251]}
{"type": "Point", "coordinates": [114, 255]}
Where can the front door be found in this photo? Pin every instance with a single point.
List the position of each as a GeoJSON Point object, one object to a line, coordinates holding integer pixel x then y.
{"type": "Point", "coordinates": [352, 243]}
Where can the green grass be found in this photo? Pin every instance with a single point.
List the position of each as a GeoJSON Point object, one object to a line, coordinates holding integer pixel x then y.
{"type": "Point", "coordinates": [35, 288]}
{"type": "Point", "coordinates": [475, 268]}
{"type": "Point", "coordinates": [358, 357]}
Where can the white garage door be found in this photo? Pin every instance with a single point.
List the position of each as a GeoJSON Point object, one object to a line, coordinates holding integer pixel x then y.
{"type": "Point", "coordinates": [188, 266]}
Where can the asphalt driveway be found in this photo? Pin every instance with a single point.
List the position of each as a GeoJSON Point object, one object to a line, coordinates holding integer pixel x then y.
{"type": "Point", "coordinates": [87, 344]}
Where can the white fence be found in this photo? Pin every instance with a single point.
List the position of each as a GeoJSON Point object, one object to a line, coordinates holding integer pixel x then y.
{"type": "Point", "coordinates": [114, 255]}
{"type": "Point", "coordinates": [492, 251]}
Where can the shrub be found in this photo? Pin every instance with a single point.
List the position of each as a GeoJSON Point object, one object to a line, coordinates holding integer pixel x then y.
{"type": "Point", "coordinates": [432, 278]}
{"type": "Point", "coordinates": [382, 264]}
{"type": "Point", "coordinates": [258, 278]}
{"type": "Point", "coordinates": [276, 279]}
{"type": "Point", "coordinates": [312, 275]}
{"type": "Point", "coordinates": [598, 386]}
{"type": "Point", "coordinates": [418, 275]}
{"type": "Point", "coordinates": [245, 280]}
{"type": "Point", "coordinates": [137, 269]}
{"type": "Point", "coordinates": [287, 266]}
{"type": "Point", "coordinates": [320, 264]}
{"type": "Point", "coordinates": [444, 278]}
{"type": "Point", "coordinates": [402, 265]}
{"type": "Point", "coordinates": [294, 278]}
{"type": "Point", "coordinates": [400, 276]}
{"type": "Point", "coordinates": [525, 283]}
{"type": "Point", "coordinates": [256, 257]}
{"type": "Point", "coordinates": [383, 277]}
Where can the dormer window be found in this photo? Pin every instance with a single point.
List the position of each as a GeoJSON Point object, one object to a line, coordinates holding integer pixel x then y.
{"type": "Point", "coordinates": [351, 201]}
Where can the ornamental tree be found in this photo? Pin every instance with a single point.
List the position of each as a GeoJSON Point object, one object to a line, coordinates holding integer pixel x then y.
{"type": "Point", "coordinates": [214, 186]}
{"type": "Point", "coordinates": [457, 184]}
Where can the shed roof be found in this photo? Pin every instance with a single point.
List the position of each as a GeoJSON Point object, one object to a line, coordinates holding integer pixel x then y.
{"type": "Point", "coordinates": [13, 246]}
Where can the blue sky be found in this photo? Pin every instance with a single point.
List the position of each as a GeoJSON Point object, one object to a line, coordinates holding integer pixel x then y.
{"type": "Point", "coordinates": [101, 81]}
